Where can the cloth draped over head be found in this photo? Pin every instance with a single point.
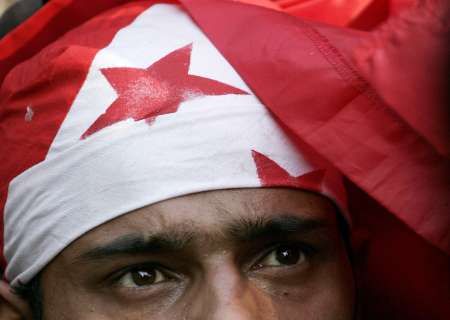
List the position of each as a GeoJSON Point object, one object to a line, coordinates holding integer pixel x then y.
{"type": "Point", "coordinates": [155, 99]}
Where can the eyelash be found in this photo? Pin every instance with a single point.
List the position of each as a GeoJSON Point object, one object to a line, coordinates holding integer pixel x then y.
{"type": "Point", "coordinates": [117, 276]}
{"type": "Point", "coordinates": [308, 250]}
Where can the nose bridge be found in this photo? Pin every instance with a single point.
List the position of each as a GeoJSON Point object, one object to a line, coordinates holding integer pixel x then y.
{"type": "Point", "coordinates": [227, 294]}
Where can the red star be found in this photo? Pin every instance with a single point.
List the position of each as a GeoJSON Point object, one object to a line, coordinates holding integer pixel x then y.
{"type": "Point", "coordinates": [159, 89]}
{"type": "Point", "coordinates": [271, 175]}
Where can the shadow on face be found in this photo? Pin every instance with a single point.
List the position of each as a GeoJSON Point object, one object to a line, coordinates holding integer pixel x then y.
{"type": "Point", "coordinates": [229, 254]}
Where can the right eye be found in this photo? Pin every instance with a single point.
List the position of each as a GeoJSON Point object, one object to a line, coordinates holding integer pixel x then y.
{"type": "Point", "coordinates": [283, 256]}
{"type": "Point", "coordinates": [142, 277]}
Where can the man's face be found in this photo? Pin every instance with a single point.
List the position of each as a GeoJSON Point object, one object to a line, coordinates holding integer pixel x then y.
{"type": "Point", "coordinates": [229, 254]}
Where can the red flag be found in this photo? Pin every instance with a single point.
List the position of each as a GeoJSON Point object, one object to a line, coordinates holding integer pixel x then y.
{"type": "Point", "coordinates": [381, 147]}
{"type": "Point", "coordinates": [302, 71]}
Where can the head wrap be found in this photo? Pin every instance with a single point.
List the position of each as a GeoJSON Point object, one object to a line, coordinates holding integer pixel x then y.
{"type": "Point", "coordinates": [159, 114]}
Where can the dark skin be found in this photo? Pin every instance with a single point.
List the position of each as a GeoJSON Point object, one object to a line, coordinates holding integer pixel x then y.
{"type": "Point", "coordinates": [228, 254]}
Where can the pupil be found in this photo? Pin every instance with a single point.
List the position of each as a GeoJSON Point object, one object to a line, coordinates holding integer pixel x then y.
{"type": "Point", "coordinates": [143, 278]}
{"type": "Point", "coordinates": [287, 255]}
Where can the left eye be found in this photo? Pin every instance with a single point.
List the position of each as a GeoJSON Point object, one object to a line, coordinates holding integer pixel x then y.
{"type": "Point", "coordinates": [141, 277]}
{"type": "Point", "coordinates": [283, 256]}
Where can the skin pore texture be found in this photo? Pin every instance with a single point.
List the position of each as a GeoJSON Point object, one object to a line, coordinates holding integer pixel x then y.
{"type": "Point", "coordinates": [230, 254]}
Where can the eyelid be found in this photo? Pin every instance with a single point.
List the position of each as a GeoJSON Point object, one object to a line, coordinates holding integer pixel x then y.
{"type": "Point", "coordinates": [136, 293]}
{"type": "Point", "coordinates": [128, 277]}
{"type": "Point", "coordinates": [306, 248]}
{"type": "Point", "coordinates": [117, 275]}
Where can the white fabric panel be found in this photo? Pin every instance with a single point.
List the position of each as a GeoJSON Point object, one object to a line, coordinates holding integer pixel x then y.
{"type": "Point", "coordinates": [205, 145]}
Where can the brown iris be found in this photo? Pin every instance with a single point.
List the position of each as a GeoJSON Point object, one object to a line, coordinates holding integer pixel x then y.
{"type": "Point", "coordinates": [143, 277]}
{"type": "Point", "coordinates": [287, 255]}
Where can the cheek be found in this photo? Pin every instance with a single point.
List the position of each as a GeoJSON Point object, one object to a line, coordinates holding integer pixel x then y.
{"type": "Point", "coordinates": [67, 297]}
{"type": "Point", "coordinates": [327, 294]}
{"type": "Point", "coordinates": [63, 300]}
{"type": "Point", "coordinates": [82, 306]}
{"type": "Point", "coordinates": [325, 305]}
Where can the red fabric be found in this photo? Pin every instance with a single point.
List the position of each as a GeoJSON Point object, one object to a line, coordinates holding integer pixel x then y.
{"type": "Point", "coordinates": [271, 174]}
{"type": "Point", "coordinates": [358, 14]}
{"type": "Point", "coordinates": [414, 82]}
{"type": "Point", "coordinates": [303, 73]}
{"type": "Point", "coordinates": [382, 146]}
{"type": "Point", "coordinates": [19, 149]}
{"type": "Point", "coordinates": [48, 24]}
{"type": "Point", "coordinates": [348, 125]}
{"type": "Point", "coordinates": [336, 12]}
{"type": "Point", "coordinates": [262, 3]}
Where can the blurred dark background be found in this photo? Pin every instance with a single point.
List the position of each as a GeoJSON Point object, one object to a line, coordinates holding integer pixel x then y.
{"type": "Point", "coordinates": [13, 12]}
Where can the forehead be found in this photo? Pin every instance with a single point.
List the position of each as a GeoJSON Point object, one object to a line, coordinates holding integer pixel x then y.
{"type": "Point", "coordinates": [211, 212]}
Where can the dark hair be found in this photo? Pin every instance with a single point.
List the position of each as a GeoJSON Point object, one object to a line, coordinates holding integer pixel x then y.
{"type": "Point", "coordinates": [32, 293]}
{"type": "Point", "coordinates": [344, 230]}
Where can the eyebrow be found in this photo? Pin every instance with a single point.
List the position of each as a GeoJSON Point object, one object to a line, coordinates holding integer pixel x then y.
{"type": "Point", "coordinates": [138, 244]}
{"type": "Point", "coordinates": [250, 229]}
{"type": "Point", "coordinates": [240, 230]}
